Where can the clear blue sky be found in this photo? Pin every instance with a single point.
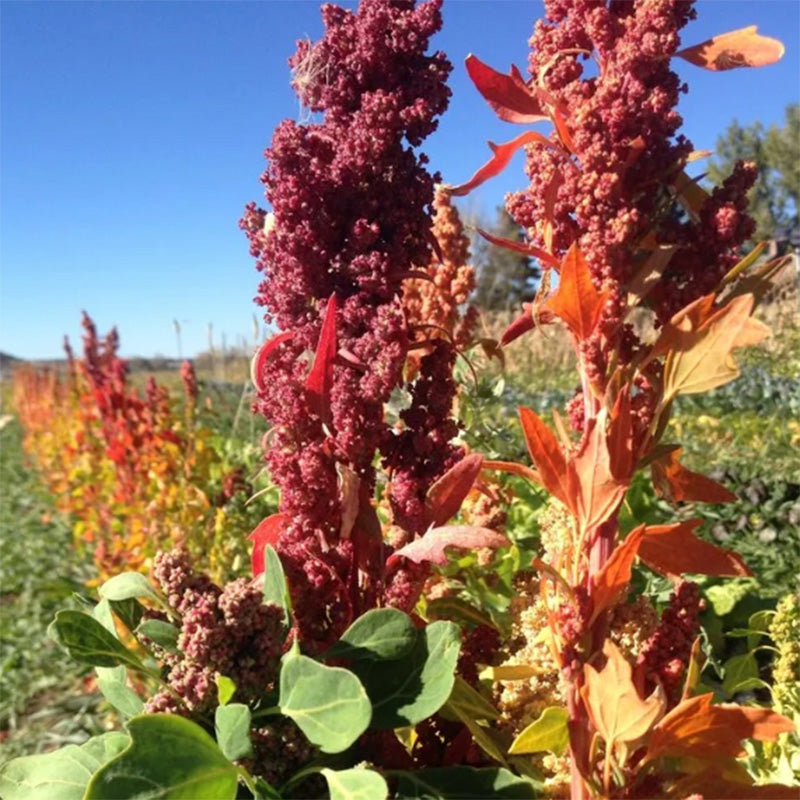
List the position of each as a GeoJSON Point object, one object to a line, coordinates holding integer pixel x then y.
{"type": "Point", "coordinates": [133, 133]}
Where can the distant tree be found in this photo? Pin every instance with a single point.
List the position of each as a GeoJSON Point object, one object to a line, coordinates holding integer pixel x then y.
{"type": "Point", "coordinates": [505, 279]}
{"type": "Point", "coordinates": [782, 148]}
{"type": "Point", "coordinates": [776, 153]}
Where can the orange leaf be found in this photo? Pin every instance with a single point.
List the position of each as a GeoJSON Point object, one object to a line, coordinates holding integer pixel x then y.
{"type": "Point", "coordinates": [610, 582]}
{"type": "Point", "coordinates": [521, 247]}
{"type": "Point", "coordinates": [614, 705]}
{"type": "Point", "coordinates": [502, 155]}
{"type": "Point", "coordinates": [445, 496]}
{"type": "Point", "coordinates": [320, 377]}
{"type": "Point", "coordinates": [620, 437]}
{"type": "Point", "coordinates": [576, 301]}
{"type": "Point", "coordinates": [595, 490]}
{"type": "Point", "coordinates": [508, 95]}
{"type": "Point", "coordinates": [742, 48]}
{"type": "Point", "coordinates": [547, 456]}
{"type": "Point", "coordinates": [350, 490]}
{"type": "Point", "coordinates": [699, 340]}
{"type": "Point", "coordinates": [674, 550]}
{"type": "Point", "coordinates": [696, 729]}
{"type": "Point", "coordinates": [673, 481]}
{"type": "Point", "coordinates": [512, 468]}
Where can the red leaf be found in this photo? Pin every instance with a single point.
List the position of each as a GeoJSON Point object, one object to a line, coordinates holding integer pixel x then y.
{"type": "Point", "coordinates": [674, 550]}
{"type": "Point", "coordinates": [262, 355]}
{"type": "Point", "coordinates": [673, 481]}
{"type": "Point", "coordinates": [266, 532]}
{"type": "Point", "coordinates": [576, 301]}
{"type": "Point", "coordinates": [547, 456]}
{"type": "Point", "coordinates": [525, 322]}
{"type": "Point", "coordinates": [320, 377]}
{"type": "Point", "coordinates": [741, 48]}
{"type": "Point", "coordinates": [502, 155]}
{"type": "Point", "coordinates": [610, 582]}
{"type": "Point", "coordinates": [521, 247]}
{"type": "Point", "coordinates": [431, 547]}
{"type": "Point", "coordinates": [508, 95]}
{"type": "Point", "coordinates": [445, 496]}
{"type": "Point", "coordinates": [697, 729]}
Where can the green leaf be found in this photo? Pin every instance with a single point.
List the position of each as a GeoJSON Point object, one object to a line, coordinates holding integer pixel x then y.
{"type": "Point", "coordinates": [462, 783]}
{"type": "Point", "coordinates": [103, 614]}
{"type": "Point", "coordinates": [264, 790]}
{"type": "Point", "coordinates": [382, 633]}
{"type": "Point", "coordinates": [457, 610]}
{"type": "Point", "coordinates": [164, 634]}
{"type": "Point", "coordinates": [276, 590]}
{"type": "Point", "coordinates": [232, 729]}
{"type": "Point", "coordinates": [226, 689]}
{"type": "Point", "coordinates": [62, 774]}
{"type": "Point", "coordinates": [410, 689]}
{"type": "Point", "coordinates": [170, 758]}
{"type": "Point", "coordinates": [127, 586]}
{"type": "Point", "coordinates": [471, 702]}
{"type": "Point", "coordinates": [328, 704]}
{"type": "Point", "coordinates": [725, 596]}
{"type": "Point", "coordinates": [129, 611]}
{"type": "Point", "coordinates": [739, 672]}
{"type": "Point", "coordinates": [468, 706]}
{"type": "Point", "coordinates": [121, 696]}
{"type": "Point", "coordinates": [549, 732]}
{"type": "Point", "coordinates": [355, 784]}
{"type": "Point", "coordinates": [87, 641]}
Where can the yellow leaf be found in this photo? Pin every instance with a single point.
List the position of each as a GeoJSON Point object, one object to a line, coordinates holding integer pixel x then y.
{"type": "Point", "coordinates": [549, 732]}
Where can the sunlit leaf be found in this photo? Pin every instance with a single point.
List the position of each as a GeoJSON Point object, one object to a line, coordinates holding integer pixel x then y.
{"type": "Point", "coordinates": [576, 300]}
{"type": "Point", "coordinates": [615, 575]}
{"type": "Point", "coordinates": [548, 732]}
{"type": "Point", "coordinates": [616, 709]}
{"type": "Point", "coordinates": [675, 550]}
{"type": "Point", "coordinates": [740, 48]}
{"type": "Point", "coordinates": [502, 155]}
{"type": "Point", "coordinates": [432, 546]}
{"type": "Point", "coordinates": [508, 95]}
{"type": "Point", "coordinates": [698, 729]}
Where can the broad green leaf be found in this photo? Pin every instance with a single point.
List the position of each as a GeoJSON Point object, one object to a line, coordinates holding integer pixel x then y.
{"type": "Point", "coordinates": [226, 689]}
{"type": "Point", "coordinates": [127, 586]}
{"type": "Point", "coordinates": [276, 590]}
{"type": "Point", "coordinates": [60, 775]}
{"type": "Point", "coordinates": [87, 641]}
{"type": "Point", "coordinates": [328, 704]}
{"type": "Point", "coordinates": [164, 634]}
{"type": "Point", "coordinates": [129, 611]}
{"type": "Point", "coordinates": [355, 784]}
{"type": "Point", "coordinates": [739, 672]}
{"type": "Point", "coordinates": [170, 758]}
{"type": "Point", "coordinates": [549, 732]}
{"type": "Point", "coordinates": [121, 696]}
{"type": "Point", "coordinates": [103, 614]}
{"type": "Point", "coordinates": [463, 783]}
{"type": "Point", "coordinates": [410, 689]}
{"type": "Point", "coordinates": [725, 596]}
{"type": "Point", "coordinates": [382, 633]}
{"type": "Point", "coordinates": [232, 729]}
